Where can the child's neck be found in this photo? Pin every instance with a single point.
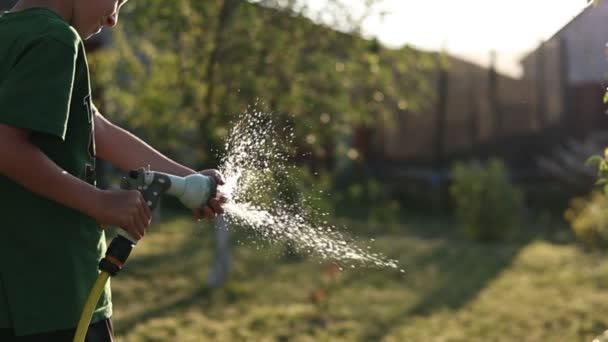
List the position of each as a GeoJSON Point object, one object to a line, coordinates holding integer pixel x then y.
{"type": "Point", "coordinates": [62, 7]}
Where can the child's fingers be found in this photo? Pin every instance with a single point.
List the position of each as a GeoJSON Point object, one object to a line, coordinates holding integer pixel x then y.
{"type": "Point", "coordinates": [133, 230]}
{"type": "Point", "coordinates": [219, 178]}
{"type": "Point", "coordinates": [210, 214]}
{"type": "Point", "coordinates": [216, 206]}
{"type": "Point", "coordinates": [144, 216]}
{"type": "Point", "coordinates": [198, 213]}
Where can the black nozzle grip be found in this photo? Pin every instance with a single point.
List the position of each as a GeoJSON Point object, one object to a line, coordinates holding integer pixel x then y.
{"type": "Point", "coordinates": [116, 255]}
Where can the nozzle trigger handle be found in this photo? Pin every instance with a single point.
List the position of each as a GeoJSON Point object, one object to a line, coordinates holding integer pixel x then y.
{"type": "Point", "coordinates": [134, 181]}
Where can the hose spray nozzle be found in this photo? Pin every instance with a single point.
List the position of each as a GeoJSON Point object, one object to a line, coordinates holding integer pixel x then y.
{"type": "Point", "coordinates": [192, 191]}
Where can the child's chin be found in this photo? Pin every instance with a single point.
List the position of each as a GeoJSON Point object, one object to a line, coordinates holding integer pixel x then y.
{"type": "Point", "coordinates": [92, 34]}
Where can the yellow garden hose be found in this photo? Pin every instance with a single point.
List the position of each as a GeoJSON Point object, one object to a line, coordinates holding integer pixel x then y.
{"type": "Point", "coordinates": [193, 191]}
{"type": "Point", "coordinates": [89, 307]}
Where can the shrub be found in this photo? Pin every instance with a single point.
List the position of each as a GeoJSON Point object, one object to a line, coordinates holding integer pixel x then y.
{"type": "Point", "coordinates": [356, 196]}
{"type": "Point", "coordinates": [486, 203]}
{"type": "Point", "coordinates": [588, 218]}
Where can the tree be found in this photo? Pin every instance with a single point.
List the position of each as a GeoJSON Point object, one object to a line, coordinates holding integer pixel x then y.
{"type": "Point", "coordinates": [179, 72]}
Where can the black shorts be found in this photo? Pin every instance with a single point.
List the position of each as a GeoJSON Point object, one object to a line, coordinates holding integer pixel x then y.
{"type": "Point", "coordinates": [101, 331]}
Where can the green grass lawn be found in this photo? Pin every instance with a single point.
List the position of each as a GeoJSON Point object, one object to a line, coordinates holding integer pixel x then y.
{"type": "Point", "coordinates": [452, 290]}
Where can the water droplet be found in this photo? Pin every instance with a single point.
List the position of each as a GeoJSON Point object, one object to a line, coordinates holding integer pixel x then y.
{"type": "Point", "coordinates": [254, 158]}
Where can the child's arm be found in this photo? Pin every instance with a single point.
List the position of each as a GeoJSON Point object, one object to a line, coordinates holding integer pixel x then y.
{"type": "Point", "coordinates": [26, 165]}
{"type": "Point", "coordinates": [128, 152]}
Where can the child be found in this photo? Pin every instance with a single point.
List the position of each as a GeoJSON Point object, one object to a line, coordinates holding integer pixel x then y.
{"type": "Point", "coordinates": [50, 134]}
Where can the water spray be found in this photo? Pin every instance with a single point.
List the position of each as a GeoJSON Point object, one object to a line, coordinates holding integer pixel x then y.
{"type": "Point", "coordinates": [257, 150]}
{"type": "Point", "coordinates": [192, 191]}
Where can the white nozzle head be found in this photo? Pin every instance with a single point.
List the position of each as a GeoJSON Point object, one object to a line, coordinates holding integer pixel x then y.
{"type": "Point", "coordinates": [193, 191]}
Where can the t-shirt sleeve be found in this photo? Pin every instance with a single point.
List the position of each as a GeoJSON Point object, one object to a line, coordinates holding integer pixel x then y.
{"type": "Point", "coordinates": [36, 93]}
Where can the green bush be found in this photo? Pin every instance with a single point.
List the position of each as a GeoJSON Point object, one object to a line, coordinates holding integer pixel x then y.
{"type": "Point", "coordinates": [588, 218]}
{"type": "Point", "coordinates": [354, 196]}
{"type": "Point", "coordinates": [486, 203]}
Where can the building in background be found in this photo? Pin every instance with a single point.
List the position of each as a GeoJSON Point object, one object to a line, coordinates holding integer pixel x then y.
{"type": "Point", "coordinates": [568, 74]}
{"type": "Point", "coordinates": [544, 125]}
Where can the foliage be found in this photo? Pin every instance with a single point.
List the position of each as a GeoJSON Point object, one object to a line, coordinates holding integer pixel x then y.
{"type": "Point", "coordinates": [602, 169]}
{"type": "Point", "coordinates": [486, 203]}
{"type": "Point", "coordinates": [588, 217]}
{"type": "Point", "coordinates": [178, 72]}
{"type": "Point", "coordinates": [349, 194]}
{"type": "Point", "coordinates": [368, 199]}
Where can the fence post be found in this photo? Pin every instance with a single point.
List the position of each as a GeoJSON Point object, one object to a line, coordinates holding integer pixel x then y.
{"type": "Point", "coordinates": [473, 117]}
{"type": "Point", "coordinates": [442, 92]}
{"type": "Point", "coordinates": [497, 122]}
{"type": "Point", "coordinates": [540, 87]}
{"type": "Point", "coordinates": [439, 184]}
{"type": "Point", "coordinates": [569, 123]}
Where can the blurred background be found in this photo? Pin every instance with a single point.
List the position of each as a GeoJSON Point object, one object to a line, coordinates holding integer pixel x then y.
{"type": "Point", "coordinates": [451, 136]}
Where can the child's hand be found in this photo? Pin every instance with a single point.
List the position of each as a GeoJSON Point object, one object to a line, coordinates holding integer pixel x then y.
{"type": "Point", "coordinates": [214, 206]}
{"type": "Point", "coordinates": [126, 209]}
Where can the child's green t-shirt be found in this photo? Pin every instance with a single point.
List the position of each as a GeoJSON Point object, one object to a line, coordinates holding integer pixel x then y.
{"type": "Point", "coordinates": [48, 253]}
